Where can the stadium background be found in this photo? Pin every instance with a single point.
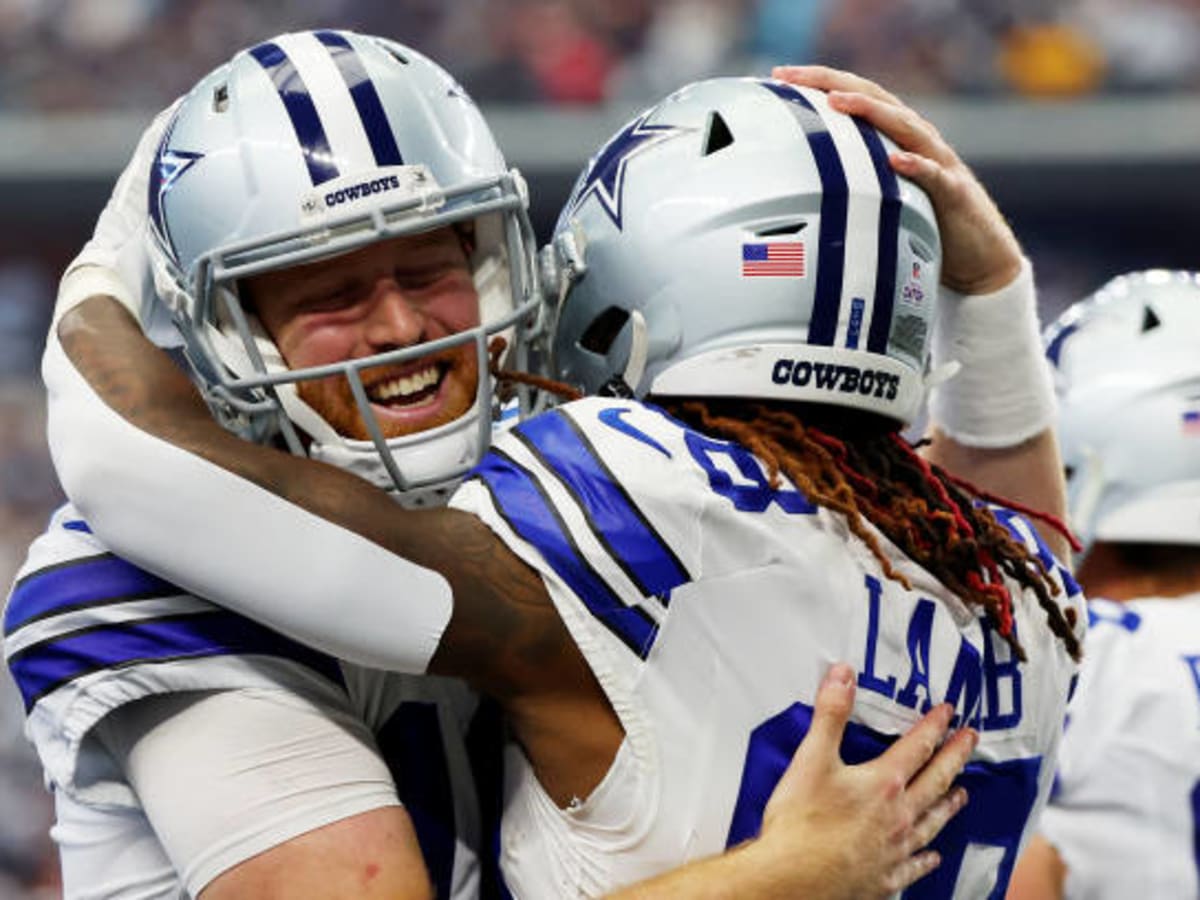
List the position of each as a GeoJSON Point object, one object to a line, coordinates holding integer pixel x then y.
{"type": "Point", "coordinates": [1081, 116]}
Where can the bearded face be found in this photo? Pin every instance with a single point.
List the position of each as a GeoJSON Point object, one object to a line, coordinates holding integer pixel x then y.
{"type": "Point", "coordinates": [387, 296]}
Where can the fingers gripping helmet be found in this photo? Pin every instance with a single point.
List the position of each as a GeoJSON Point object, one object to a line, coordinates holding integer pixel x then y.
{"type": "Point", "coordinates": [303, 148]}
{"type": "Point", "coordinates": [742, 239]}
{"type": "Point", "coordinates": [1127, 374]}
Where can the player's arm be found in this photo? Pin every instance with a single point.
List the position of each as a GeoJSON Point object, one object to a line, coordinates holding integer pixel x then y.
{"type": "Point", "coordinates": [504, 632]}
{"type": "Point", "coordinates": [1040, 873]}
{"type": "Point", "coordinates": [991, 422]}
{"type": "Point", "coordinates": [327, 566]}
{"type": "Point", "coordinates": [837, 832]}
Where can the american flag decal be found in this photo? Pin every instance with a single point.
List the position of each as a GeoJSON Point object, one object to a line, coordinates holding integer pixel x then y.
{"type": "Point", "coordinates": [777, 259]}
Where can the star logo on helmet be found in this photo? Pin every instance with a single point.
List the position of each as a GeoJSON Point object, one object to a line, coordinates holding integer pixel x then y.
{"type": "Point", "coordinates": [605, 176]}
{"type": "Point", "coordinates": [169, 166]}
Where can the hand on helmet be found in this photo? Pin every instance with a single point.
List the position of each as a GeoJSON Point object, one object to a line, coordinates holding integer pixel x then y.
{"type": "Point", "coordinates": [980, 253]}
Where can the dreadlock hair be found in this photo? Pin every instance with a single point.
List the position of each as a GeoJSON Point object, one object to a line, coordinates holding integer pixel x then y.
{"type": "Point", "coordinates": [857, 464]}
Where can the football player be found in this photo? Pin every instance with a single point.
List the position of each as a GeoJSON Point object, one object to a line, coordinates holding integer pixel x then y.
{"type": "Point", "coordinates": [713, 550]}
{"type": "Point", "coordinates": [166, 725]}
{"type": "Point", "coordinates": [191, 750]}
{"type": "Point", "coordinates": [1123, 818]}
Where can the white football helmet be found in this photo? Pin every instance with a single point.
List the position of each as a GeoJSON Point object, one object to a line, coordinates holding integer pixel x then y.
{"type": "Point", "coordinates": [743, 239]}
{"type": "Point", "coordinates": [305, 147]}
{"type": "Point", "coordinates": [1127, 372]}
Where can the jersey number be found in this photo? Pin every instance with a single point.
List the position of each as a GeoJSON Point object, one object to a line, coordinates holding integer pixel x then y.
{"type": "Point", "coordinates": [983, 837]}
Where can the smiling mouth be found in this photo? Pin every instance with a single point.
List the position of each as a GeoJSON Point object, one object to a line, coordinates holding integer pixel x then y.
{"type": "Point", "coordinates": [412, 389]}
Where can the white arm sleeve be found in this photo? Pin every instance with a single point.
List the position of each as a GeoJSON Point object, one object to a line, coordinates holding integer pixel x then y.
{"type": "Point", "coordinates": [223, 538]}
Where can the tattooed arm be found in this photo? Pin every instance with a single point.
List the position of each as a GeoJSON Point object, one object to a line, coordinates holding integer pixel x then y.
{"type": "Point", "coordinates": [439, 554]}
{"type": "Point", "coordinates": [503, 633]}
{"type": "Point", "coordinates": [425, 588]}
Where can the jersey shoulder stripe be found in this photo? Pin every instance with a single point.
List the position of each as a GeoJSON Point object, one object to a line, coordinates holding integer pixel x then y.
{"type": "Point", "coordinates": [1024, 532]}
{"type": "Point", "coordinates": [79, 583]}
{"type": "Point", "coordinates": [40, 668]}
{"type": "Point", "coordinates": [560, 444]}
{"type": "Point", "coordinates": [78, 610]}
{"type": "Point", "coordinates": [523, 504]}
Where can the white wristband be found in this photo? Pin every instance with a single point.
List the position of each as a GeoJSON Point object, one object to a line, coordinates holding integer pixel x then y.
{"type": "Point", "coordinates": [1003, 395]}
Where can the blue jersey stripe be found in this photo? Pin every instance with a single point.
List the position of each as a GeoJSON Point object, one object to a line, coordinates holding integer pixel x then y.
{"type": "Point", "coordinates": [300, 109]}
{"type": "Point", "coordinates": [527, 510]}
{"type": "Point", "coordinates": [835, 190]}
{"type": "Point", "coordinates": [78, 583]}
{"type": "Point", "coordinates": [41, 668]}
{"type": "Point", "coordinates": [415, 752]}
{"type": "Point", "coordinates": [366, 98]}
{"type": "Point", "coordinates": [618, 524]}
{"type": "Point", "coordinates": [889, 240]}
{"type": "Point", "coordinates": [1007, 518]}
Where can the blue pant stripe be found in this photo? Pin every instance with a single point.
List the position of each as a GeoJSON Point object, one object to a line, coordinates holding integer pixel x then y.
{"type": "Point", "coordinates": [40, 668]}
{"type": "Point", "coordinates": [889, 240]}
{"type": "Point", "coordinates": [610, 512]}
{"type": "Point", "coordinates": [522, 503]}
{"type": "Point", "coordinates": [366, 98]}
{"type": "Point", "coordinates": [79, 583]}
{"type": "Point", "coordinates": [300, 109]}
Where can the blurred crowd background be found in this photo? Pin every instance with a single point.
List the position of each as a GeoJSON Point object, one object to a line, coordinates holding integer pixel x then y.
{"type": "Point", "coordinates": [101, 54]}
{"type": "Point", "coordinates": [1082, 116]}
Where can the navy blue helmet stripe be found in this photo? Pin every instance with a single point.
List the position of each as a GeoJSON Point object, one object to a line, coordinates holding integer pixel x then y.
{"type": "Point", "coordinates": [610, 512]}
{"type": "Point", "coordinates": [90, 581]}
{"type": "Point", "coordinates": [522, 503]}
{"type": "Point", "coordinates": [1054, 348]}
{"type": "Point", "coordinates": [366, 98]}
{"type": "Point", "coordinates": [889, 240]}
{"type": "Point", "coordinates": [300, 109]}
{"type": "Point", "coordinates": [835, 190]}
{"type": "Point", "coordinates": [42, 667]}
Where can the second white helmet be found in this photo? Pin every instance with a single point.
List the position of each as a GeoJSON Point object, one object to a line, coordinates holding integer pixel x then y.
{"type": "Point", "coordinates": [1127, 370]}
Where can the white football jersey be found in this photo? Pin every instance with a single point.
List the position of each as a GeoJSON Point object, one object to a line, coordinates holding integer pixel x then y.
{"type": "Point", "coordinates": [1125, 810]}
{"type": "Point", "coordinates": [710, 605]}
{"type": "Point", "coordinates": [86, 632]}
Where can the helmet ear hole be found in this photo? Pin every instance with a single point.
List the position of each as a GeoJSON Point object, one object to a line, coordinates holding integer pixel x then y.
{"type": "Point", "coordinates": [778, 230]}
{"type": "Point", "coordinates": [1150, 321]}
{"type": "Point", "coordinates": [598, 337]}
{"type": "Point", "coordinates": [394, 53]}
{"type": "Point", "coordinates": [718, 136]}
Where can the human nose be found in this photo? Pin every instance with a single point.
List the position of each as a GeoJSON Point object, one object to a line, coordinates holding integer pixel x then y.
{"type": "Point", "coordinates": [392, 321]}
